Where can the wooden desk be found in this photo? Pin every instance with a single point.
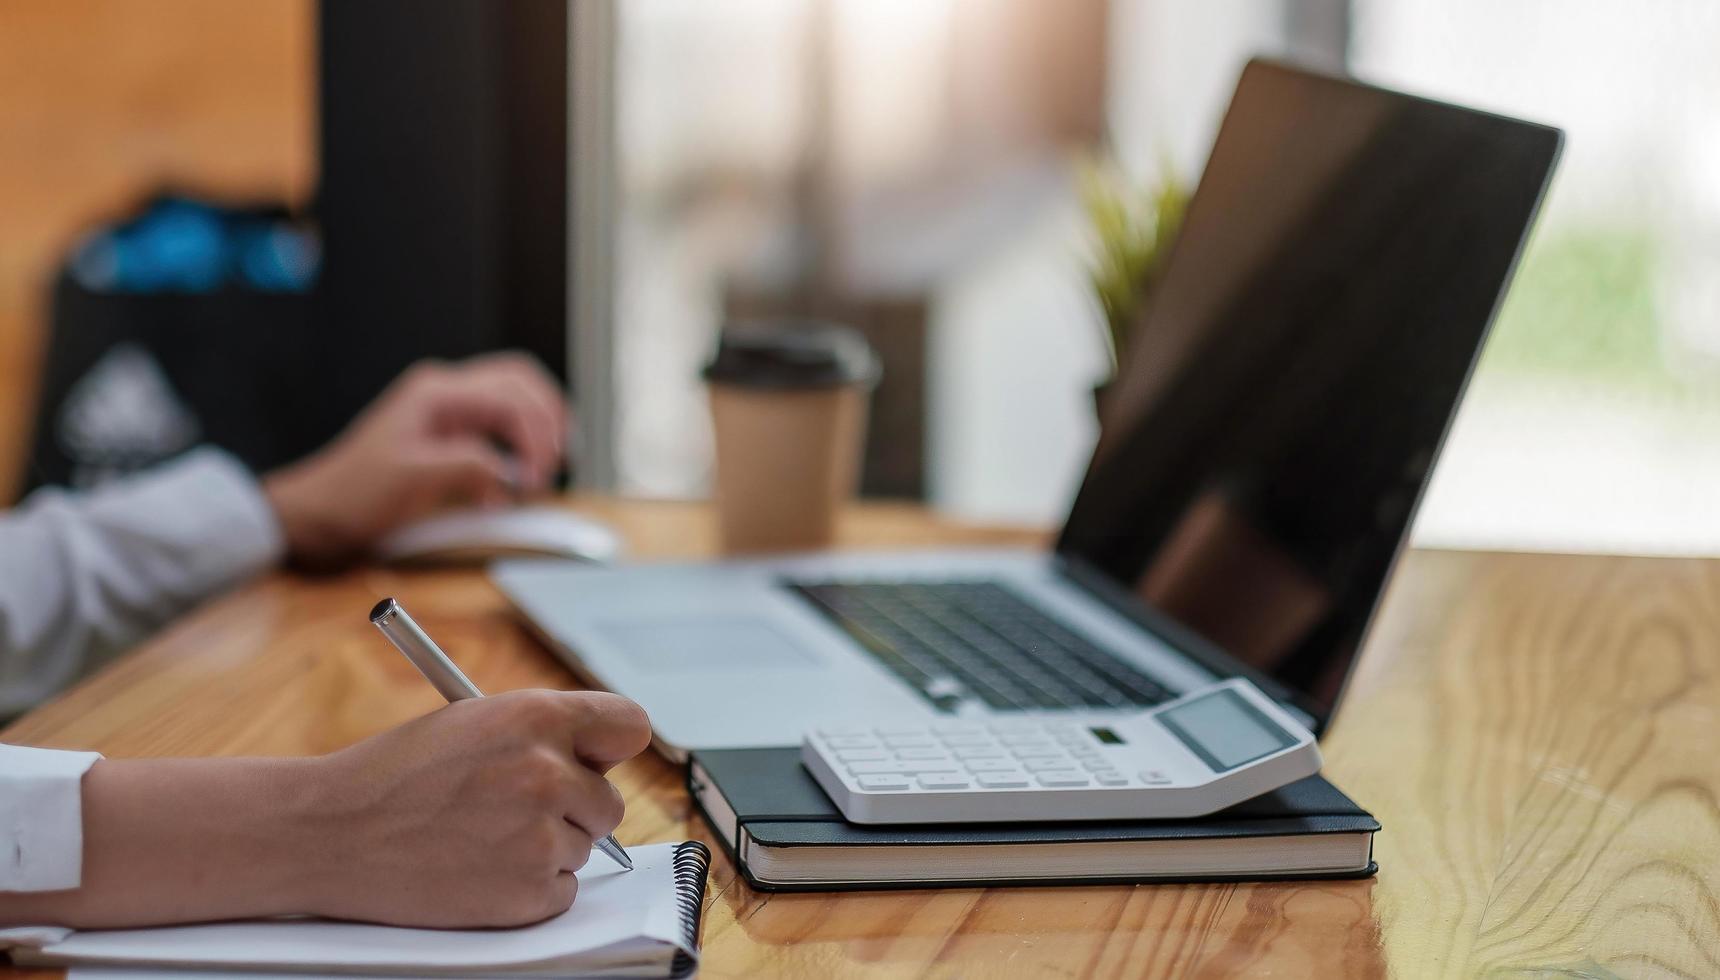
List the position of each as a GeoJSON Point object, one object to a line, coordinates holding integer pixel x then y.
{"type": "Point", "coordinates": [1540, 736]}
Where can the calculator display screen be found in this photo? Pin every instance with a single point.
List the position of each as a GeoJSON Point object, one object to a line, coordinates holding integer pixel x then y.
{"type": "Point", "coordinates": [1225, 730]}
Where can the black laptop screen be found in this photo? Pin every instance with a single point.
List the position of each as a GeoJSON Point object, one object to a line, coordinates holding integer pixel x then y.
{"type": "Point", "coordinates": [1266, 442]}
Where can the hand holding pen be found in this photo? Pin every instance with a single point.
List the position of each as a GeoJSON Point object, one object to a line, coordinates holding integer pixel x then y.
{"type": "Point", "coordinates": [442, 673]}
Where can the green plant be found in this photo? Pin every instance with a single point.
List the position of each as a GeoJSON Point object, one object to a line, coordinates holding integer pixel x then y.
{"type": "Point", "coordinates": [1133, 225]}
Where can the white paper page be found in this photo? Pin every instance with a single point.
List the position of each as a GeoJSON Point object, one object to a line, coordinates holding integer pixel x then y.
{"type": "Point", "coordinates": [613, 907]}
{"type": "Point", "coordinates": [167, 973]}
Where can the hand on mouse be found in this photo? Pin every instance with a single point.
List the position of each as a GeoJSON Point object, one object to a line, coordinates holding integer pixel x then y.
{"type": "Point", "coordinates": [428, 441]}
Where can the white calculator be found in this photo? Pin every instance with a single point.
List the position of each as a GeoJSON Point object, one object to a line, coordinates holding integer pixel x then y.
{"type": "Point", "coordinates": [1206, 750]}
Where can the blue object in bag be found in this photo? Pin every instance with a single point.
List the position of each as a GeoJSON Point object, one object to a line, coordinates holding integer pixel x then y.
{"type": "Point", "coordinates": [178, 245]}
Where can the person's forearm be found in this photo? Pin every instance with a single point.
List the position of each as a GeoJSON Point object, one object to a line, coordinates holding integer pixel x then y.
{"type": "Point", "coordinates": [83, 575]}
{"type": "Point", "coordinates": [184, 840]}
{"type": "Point", "coordinates": [475, 815]}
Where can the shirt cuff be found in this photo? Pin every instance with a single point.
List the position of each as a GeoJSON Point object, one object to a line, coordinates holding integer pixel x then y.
{"type": "Point", "coordinates": [42, 818]}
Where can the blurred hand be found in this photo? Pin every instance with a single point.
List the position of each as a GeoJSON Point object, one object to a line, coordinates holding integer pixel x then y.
{"type": "Point", "coordinates": [477, 814]}
{"type": "Point", "coordinates": [479, 431]}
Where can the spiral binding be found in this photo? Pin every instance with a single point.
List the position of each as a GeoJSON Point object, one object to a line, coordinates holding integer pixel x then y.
{"type": "Point", "coordinates": [692, 862]}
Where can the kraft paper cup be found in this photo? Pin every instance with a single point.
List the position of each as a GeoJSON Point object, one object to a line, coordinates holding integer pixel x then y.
{"type": "Point", "coordinates": [788, 409]}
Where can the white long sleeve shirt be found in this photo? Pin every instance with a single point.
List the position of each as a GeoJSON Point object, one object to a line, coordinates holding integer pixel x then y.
{"type": "Point", "coordinates": [82, 577]}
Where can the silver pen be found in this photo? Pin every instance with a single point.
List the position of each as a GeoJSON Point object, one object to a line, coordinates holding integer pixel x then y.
{"type": "Point", "coordinates": [409, 638]}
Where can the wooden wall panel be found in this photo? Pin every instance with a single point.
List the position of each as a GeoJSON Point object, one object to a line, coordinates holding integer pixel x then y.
{"type": "Point", "coordinates": [102, 100]}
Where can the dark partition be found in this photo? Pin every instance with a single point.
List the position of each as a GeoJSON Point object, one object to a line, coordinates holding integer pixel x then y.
{"type": "Point", "coordinates": [444, 190]}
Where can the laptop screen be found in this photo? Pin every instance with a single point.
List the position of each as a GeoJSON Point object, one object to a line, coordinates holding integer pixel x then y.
{"type": "Point", "coordinates": [1286, 391]}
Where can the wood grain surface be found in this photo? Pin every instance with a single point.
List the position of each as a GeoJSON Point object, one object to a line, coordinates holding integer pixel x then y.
{"type": "Point", "coordinates": [1538, 735]}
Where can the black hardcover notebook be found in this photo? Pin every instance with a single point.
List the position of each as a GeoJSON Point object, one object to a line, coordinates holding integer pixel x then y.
{"type": "Point", "coordinates": [785, 835]}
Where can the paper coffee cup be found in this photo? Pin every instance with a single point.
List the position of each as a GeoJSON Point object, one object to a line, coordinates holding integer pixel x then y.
{"type": "Point", "coordinates": [788, 408]}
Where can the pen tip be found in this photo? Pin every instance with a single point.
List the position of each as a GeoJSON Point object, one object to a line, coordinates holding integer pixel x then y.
{"type": "Point", "coordinates": [381, 609]}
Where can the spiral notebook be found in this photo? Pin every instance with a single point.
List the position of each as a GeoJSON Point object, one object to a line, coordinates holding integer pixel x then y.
{"type": "Point", "coordinates": [643, 923]}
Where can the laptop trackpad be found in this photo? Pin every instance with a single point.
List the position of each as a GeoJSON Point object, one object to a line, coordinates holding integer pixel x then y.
{"type": "Point", "coordinates": [704, 643]}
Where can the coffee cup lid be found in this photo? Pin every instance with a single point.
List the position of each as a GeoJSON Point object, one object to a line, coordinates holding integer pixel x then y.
{"type": "Point", "coordinates": [791, 354]}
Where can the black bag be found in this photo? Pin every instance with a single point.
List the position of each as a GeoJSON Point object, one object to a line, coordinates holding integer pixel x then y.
{"type": "Point", "coordinates": [132, 378]}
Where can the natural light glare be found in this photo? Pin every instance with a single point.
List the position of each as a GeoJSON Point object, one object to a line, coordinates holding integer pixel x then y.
{"type": "Point", "coordinates": [1594, 420]}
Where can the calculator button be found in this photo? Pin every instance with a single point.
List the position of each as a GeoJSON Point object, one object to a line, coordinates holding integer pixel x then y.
{"type": "Point", "coordinates": [965, 739]}
{"type": "Point", "coordinates": [991, 765]}
{"type": "Point", "coordinates": [861, 755]}
{"type": "Point", "coordinates": [1044, 765]}
{"type": "Point", "coordinates": [900, 768]}
{"type": "Point", "coordinates": [1094, 765]}
{"type": "Point", "coordinates": [851, 742]}
{"type": "Point", "coordinates": [977, 752]}
{"type": "Point", "coordinates": [1066, 778]}
{"type": "Point", "coordinates": [919, 754]}
{"type": "Point", "coordinates": [908, 741]}
{"type": "Point", "coordinates": [1041, 751]}
{"type": "Point", "coordinates": [882, 782]}
{"type": "Point", "coordinates": [1022, 738]}
{"type": "Point", "coordinates": [1001, 780]}
{"type": "Point", "coordinates": [944, 781]}
{"type": "Point", "coordinates": [1110, 777]}
{"type": "Point", "coordinates": [1153, 777]}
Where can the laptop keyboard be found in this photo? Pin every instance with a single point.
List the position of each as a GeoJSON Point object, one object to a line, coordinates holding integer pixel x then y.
{"type": "Point", "coordinates": [961, 641]}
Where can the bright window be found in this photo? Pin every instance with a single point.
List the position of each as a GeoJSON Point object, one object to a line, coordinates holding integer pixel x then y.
{"type": "Point", "coordinates": [1594, 420]}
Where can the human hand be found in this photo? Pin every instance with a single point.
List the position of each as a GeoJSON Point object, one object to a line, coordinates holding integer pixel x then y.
{"type": "Point", "coordinates": [429, 440]}
{"type": "Point", "coordinates": [476, 814]}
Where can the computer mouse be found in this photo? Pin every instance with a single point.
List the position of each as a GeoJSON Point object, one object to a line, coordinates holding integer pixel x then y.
{"type": "Point", "coordinates": [477, 536]}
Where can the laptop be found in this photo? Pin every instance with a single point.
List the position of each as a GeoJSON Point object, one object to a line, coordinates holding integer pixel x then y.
{"type": "Point", "coordinates": [1260, 459]}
